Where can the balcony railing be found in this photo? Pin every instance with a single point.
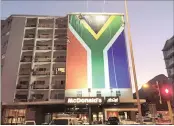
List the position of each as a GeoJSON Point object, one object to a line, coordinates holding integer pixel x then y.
{"type": "Point", "coordinates": [169, 52]}
{"type": "Point", "coordinates": [28, 47]}
{"type": "Point", "coordinates": [20, 98]}
{"type": "Point", "coordinates": [30, 36]}
{"type": "Point", "coordinates": [22, 86]}
{"type": "Point", "coordinates": [61, 36]}
{"type": "Point", "coordinates": [43, 59]}
{"type": "Point", "coordinates": [45, 36]}
{"type": "Point", "coordinates": [60, 47]}
{"type": "Point", "coordinates": [38, 97]}
{"type": "Point", "coordinates": [58, 97]}
{"type": "Point", "coordinates": [37, 100]}
{"type": "Point", "coordinates": [43, 47]}
{"type": "Point", "coordinates": [45, 25]}
{"type": "Point", "coordinates": [24, 72]}
{"type": "Point", "coordinates": [31, 25]}
{"type": "Point", "coordinates": [58, 73]}
{"type": "Point", "coordinates": [62, 25]}
{"type": "Point", "coordinates": [39, 86]}
{"type": "Point", "coordinates": [26, 59]}
{"type": "Point", "coordinates": [172, 71]}
{"type": "Point", "coordinates": [58, 86]}
{"type": "Point", "coordinates": [41, 73]}
{"type": "Point", "coordinates": [59, 60]}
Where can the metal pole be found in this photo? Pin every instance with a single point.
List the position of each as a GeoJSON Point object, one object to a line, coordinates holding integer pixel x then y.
{"type": "Point", "coordinates": [159, 91]}
{"type": "Point", "coordinates": [133, 64]}
{"type": "Point", "coordinates": [170, 111]}
{"type": "Point", "coordinates": [90, 114]}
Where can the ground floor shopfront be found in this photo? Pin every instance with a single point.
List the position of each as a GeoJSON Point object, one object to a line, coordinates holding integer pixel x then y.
{"type": "Point", "coordinates": [18, 114]}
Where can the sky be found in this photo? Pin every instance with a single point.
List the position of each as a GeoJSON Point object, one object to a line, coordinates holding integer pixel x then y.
{"type": "Point", "coordinates": [151, 25]}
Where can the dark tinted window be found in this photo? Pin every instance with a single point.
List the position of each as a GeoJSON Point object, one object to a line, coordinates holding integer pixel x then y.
{"type": "Point", "coordinates": [30, 123]}
{"type": "Point", "coordinates": [60, 122]}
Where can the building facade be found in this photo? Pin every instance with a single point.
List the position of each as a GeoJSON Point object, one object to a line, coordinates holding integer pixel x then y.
{"type": "Point", "coordinates": [168, 52]}
{"type": "Point", "coordinates": [74, 64]}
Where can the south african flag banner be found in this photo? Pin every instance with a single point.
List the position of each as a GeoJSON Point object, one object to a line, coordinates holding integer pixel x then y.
{"type": "Point", "coordinates": [97, 54]}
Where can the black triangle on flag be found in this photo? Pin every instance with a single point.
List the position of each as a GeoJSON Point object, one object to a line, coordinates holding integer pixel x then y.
{"type": "Point", "coordinates": [96, 22]}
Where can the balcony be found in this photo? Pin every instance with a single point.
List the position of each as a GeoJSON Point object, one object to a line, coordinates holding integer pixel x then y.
{"type": "Point", "coordinates": [30, 33]}
{"type": "Point", "coordinates": [58, 83]}
{"type": "Point", "coordinates": [25, 69]}
{"type": "Point", "coordinates": [31, 22]}
{"type": "Point", "coordinates": [171, 72]}
{"type": "Point", "coordinates": [61, 33]}
{"type": "Point", "coordinates": [27, 56]}
{"type": "Point", "coordinates": [45, 34]}
{"type": "Point", "coordinates": [57, 95]}
{"type": "Point", "coordinates": [59, 47]}
{"type": "Point", "coordinates": [28, 45]}
{"type": "Point", "coordinates": [169, 53]}
{"type": "Point", "coordinates": [44, 45]}
{"type": "Point", "coordinates": [41, 83]}
{"type": "Point", "coordinates": [43, 57]}
{"type": "Point", "coordinates": [23, 83]}
{"type": "Point", "coordinates": [62, 22]}
{"type": "Point", "coordinates": [38, 95]}
{"type": "Point", "coordinates": [21, 96]}
{"type": "Point", "coordinates": [43, 69]}
{"type": "Point", "coordinates": [46, 23]}
{"type": "Point", "coordinates": [59, 59]}
{"type": "Point", "coordinates": [58, 70]}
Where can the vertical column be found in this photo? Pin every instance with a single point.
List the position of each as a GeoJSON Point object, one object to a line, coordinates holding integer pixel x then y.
{"type": "Point", "coordinates": [51, 66]}
{"type": "Point", "coordinates": [90, 113]}
{"type": "Point", "coordinates": [133, 116]}
{"type": "Point", "coordinates": [33, 57]}
{"type": "Point", "coordinates": [17, 77]}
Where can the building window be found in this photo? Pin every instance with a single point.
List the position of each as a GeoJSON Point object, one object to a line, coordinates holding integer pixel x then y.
{"type": "Point", "coordinates": [118, 93]}
{"type": "Point", "coordinates": [98, 93]}
{"type": "Point", "coordinates": [40, 82]}
{"type": "Point", "coordinates": [79, 93]}
{"type": "Point", "coordinates": [59, 71]}
{"type": "Point", "coordinates": [41, 69]}
{"type": "Point", "coordinates": [14, 116]}
{"type": "Point", "coordinates": [62, 82]}
{"type": "Point", "coordinates": [23, 82]}
{"type": "Point", "coordinates": [60, 96]}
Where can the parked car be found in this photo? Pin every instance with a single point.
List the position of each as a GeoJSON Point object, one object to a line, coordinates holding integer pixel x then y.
{"type": "Point", "coordinates": [113, 121]}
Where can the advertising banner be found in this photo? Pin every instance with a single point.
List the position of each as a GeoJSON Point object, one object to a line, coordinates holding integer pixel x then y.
{"type": "Point", "coordinates": [97, 53]}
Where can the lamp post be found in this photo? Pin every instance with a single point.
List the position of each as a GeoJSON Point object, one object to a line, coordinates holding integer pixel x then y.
{"type": "Point", "coordinates": [159, 92]}
{"type": "Point", "coordinates": [133, 64]}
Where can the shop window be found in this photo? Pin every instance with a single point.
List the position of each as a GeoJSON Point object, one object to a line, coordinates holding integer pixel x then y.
{"type": "Point", "coordinates": [60, 96]}
{"type": "Point", "coordinates": [118, 93]}
{"type": "Point", "coordinates": [98, 93]}
{"type": "Point", "coordinates": [79, 93]}
{"type": "Point", "coordinates": [14, 116]}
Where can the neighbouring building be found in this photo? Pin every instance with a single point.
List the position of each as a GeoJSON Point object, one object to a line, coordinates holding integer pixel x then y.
{"type": "Point", "coordinates": [168, 52]}
{"type": "Point", "coordinates": [76, 64]}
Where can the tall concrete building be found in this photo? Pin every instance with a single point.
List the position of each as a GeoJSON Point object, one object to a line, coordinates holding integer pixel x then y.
{"type": "Point", "coordinates": [168, 52]}
{"type": "Point", "coordinates": [72, 64]}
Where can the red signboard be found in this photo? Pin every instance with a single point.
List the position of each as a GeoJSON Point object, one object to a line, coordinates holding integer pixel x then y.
{"type": "Point", "coordinates": [112, 114]}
